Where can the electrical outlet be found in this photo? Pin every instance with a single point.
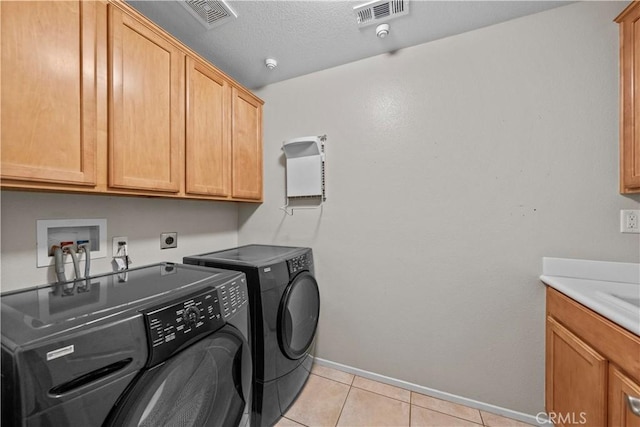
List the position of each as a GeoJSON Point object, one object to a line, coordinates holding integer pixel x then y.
{"type": "Point", "coordinates": [630, 221]}
{"type": "Point", "coordinates": [116, 244]}
{"type": "Point", "coordinates": [168, 240]}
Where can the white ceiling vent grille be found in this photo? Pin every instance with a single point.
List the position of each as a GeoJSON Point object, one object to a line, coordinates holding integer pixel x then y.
{"type": "Point", "coordinates": [377, 11]}
{"type": "Point", "coordinates": [210, 13]}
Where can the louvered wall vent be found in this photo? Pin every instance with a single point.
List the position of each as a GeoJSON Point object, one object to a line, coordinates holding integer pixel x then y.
{"type": "Point", "coordinates": [210, 13]}
{"type": "Point", "coordinates": [375, 12]}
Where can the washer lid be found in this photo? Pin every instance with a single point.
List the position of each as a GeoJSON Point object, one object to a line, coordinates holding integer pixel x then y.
{"type": "Point", "coordinates": [253, 255]}
{"type": "Point", "coordinates": [42, 311]}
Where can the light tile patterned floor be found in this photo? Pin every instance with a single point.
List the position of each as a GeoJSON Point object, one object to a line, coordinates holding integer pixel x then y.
{"type": "Point", "coordinates": [335, 398]}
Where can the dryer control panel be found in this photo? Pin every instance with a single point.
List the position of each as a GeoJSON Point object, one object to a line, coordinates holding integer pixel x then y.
{"type": "Point", "coordinates": [233, 297]}
{"type": "Point", "coordinates": [299, 263]}
{"type": "Point", "coordinates": [173, 326]}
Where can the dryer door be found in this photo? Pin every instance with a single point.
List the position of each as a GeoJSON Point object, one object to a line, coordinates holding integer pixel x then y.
{"type": "Point", "coordinates": [298, 315]}
{"type": "Point", "coordinates": [207, 384]}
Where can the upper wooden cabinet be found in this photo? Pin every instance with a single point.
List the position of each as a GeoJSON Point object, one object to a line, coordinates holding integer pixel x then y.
{"type": "Point", "coordinates": [49, 91]}
{"type": "Point", "coordinates": [208, 160]}
{"type": "Point", "coordinates": [146, 106]}
{"type": "Point", "coordinates": [246, 145]}
{"type": "Point", "coordinates": [98, 99]}
{"type": "Point", "coordinates": [224, 136]}
{"type": "Point", "coordinates": [630, 99]}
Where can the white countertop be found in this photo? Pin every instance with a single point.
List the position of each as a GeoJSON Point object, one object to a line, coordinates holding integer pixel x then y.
{"type": "Point", "coordinates": [611, 289]}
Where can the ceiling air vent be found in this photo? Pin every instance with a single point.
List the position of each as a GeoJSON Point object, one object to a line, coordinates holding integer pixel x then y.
{"type": "Point", "coordinates": [210, 13]}
{"type": "Point", "coordinates": [375, 12]}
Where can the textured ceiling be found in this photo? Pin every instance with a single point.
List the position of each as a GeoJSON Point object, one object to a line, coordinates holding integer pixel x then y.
{"type": "Point", "coordinates": [308, 36]}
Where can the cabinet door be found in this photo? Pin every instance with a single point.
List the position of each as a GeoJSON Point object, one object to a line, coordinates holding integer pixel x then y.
{"type": "Point", "coordinates": [576, 379]}
{"type": "Point", "coordinates": [146, 108]}
{"type": "Point", "coordinates": [208, 134]}
{"type": "Point", "coordinates": [630, 94]}
{"type": "Point", "coordinates": [622, 390]}
{"type": "Point", "coordinates": [246, 140]}
{"type": "Point", "coordinates": [48, 104]}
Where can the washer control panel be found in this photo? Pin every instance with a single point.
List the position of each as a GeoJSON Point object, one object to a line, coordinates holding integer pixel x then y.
{"type": "Point", "coordinates": [299, 263]}
{"type": "Point", "coordinates": [170, 327]}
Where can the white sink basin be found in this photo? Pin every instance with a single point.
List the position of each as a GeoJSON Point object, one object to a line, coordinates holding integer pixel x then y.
{"type": "Point", "coordinates": [628, 302]}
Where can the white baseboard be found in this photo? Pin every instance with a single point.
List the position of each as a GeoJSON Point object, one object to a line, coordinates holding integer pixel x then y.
{"type": "Point", "coordinates": [526, 418]}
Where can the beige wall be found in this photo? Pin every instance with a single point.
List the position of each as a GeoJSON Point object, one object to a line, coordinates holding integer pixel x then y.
{"type": "Point", "coordinates": [452, 168]}
{"type": "Point", "coordinates": [201, 226]}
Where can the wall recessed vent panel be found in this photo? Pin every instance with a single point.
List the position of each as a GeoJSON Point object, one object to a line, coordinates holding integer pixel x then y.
{"type": "Point", "coordinates": [210, 13]}
{"type": "Point", "coordinates": [376, 12]}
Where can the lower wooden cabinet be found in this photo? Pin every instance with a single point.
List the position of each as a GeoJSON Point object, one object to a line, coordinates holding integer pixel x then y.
{"type": "Point", "coordinates": [592, 367]}
{"type": "Point", "coordinates": [576, 379]}
{"type": "Point", "coordinates": [624, 400]}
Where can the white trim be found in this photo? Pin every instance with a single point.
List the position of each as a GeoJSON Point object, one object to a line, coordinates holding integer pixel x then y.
{"type": "Point", "coordinates": [526, 418]}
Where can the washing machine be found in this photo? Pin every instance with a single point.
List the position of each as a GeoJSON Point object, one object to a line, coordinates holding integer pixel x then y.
{"type": "Point", "coordinates": [284, 303]}
{"type": "Point", "coordinates": [160, 345]}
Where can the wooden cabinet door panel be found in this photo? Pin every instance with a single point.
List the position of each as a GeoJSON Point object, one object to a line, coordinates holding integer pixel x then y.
{"type": "Point", "coordinates": [576, 381]}
{"type": "Point", "coordinates": [146, 107]}
{"type": "Point", "coordinates": [49, 130]}
{"type": "Point", "coordinates": [630, 97]}
{"type": "Point", "coordinates": [620, 388]}
{"type": "Point", "coordinates": [246, 140]}
{"type": "Point", "coordinates": [208, 135]}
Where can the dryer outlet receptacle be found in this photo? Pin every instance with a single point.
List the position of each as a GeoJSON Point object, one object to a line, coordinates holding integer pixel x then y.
{"type": "Point", "coordinates": [168, 240]}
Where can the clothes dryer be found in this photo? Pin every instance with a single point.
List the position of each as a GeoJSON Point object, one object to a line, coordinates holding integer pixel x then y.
{"type": "Point", "coordinates": [284, 302]}
{"type": "Point", "coordinates": [161, 345]}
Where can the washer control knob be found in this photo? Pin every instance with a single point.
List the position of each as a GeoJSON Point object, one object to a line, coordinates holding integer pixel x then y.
{"type": "Point", "coordinates": [191, 316]}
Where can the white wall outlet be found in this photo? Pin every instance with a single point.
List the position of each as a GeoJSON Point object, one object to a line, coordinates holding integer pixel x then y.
{"type": "Point", "coordinates": [117, 241]}
{"type": "Point", "coordinates": [630, 221]}
{"type": "Point", "coordinates": [168, 240]}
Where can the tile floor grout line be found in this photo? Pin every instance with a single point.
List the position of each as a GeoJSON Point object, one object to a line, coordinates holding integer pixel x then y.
{"type": "Point", "coordinates": [413, 404]}
{"type": "Point", "coordinates": [410, 411]}
{"type": "Point", "coordinates": [384, 395]}
{"type": "Point", "coordinates": [342, 408]}
{"type": "Point", "coordinates": [332, 379]}
{"type": "Point", "coordinates": [423, 407]}
{"type": "Point", "coordinates": [297, 422]}
{"type": "Point", "coordinates": [409, 403]}
{"type": "Point", "coordinates": [453, 416]}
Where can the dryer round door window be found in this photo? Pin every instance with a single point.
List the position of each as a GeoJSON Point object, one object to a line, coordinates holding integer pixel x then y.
{"type": "Point", "coordinates": [298, 315]}
{"type": "Point", "coordinates": [199, 386]}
